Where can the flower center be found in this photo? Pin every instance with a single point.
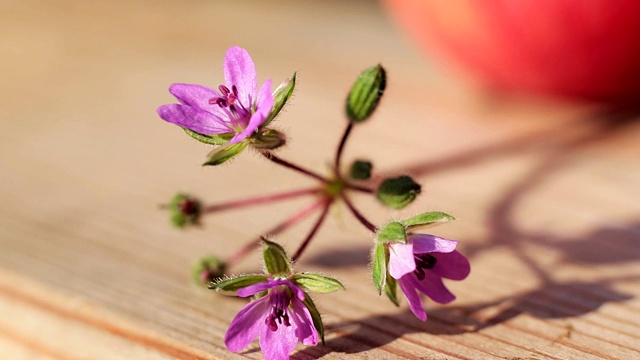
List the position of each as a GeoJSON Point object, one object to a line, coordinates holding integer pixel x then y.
{"type": "Point", "coordinates": [279, 302]}
{"type": "Point", "coordinates": [423, 262]}
{"type": "Point", "coordinates": [229, 101]}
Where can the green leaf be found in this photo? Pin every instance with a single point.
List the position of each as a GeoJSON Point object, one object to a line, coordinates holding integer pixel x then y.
{"type": "Point", "coordinates": [317, 283]}
{"type": "Point", "coordinates": [427, 219]}
{"type": "Point", "coordinates": [392, 232]}
{"type": "Point", "coordinates": [219, 156]}
{"type": "Point", "coordinates": [398, 192]}
{"type": "Point", "coordinates": [280, 96]}
{"type": "Point", "coordinates": [366, 93]}
{"type": "Point", "coordinates": [390, 289]}
{"type": "Point", "coordinates": [219, 139]}
{"type": "Point", "coordinates": [234, 284]}
{"type": "Point", "coordinates": [379, 273]}
{"type": "Point", "coordinates": [360, 170]}
{"type": "Point", "coordinates": [315, 316]}
{"type": "Point", "coordinates": [268, 140]}
{"type": "Point", "coordinates": [275, 258]}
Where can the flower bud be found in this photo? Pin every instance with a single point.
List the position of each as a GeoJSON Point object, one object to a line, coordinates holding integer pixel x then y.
{"type": "Point", "coordinates": [360, 170]}
{"type": "Point", "coordinates": [366, 93]}
{"type": "Point", "coordinates": [207, 269]}
{"type": "Point", "coordinates": [398, 192]}
{"type": "Point", "coordinates": [184, 210]}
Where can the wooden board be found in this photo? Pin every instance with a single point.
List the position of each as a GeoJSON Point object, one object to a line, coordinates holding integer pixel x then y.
{"type": "Point", "coordinates": [546, 193]}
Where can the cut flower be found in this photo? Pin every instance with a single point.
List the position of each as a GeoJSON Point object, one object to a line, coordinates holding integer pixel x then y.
{"type": "Point", "coordinates": [421, 263]}
{"type": "Point", "coordinates": [228, 115]}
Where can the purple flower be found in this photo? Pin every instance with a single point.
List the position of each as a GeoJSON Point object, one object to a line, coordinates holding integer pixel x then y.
{"type": "Point", "coordinates": [421, 263]}
{"type": "Point", "coordinates": [279, 320]}
{"type": "Point", "coordinates": [237, 108]}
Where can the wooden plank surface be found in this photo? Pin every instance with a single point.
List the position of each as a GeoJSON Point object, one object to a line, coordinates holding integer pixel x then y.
{"type": "Point", "coordinates": [546, 192]}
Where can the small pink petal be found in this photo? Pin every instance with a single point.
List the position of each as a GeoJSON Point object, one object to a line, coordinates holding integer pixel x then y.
{"type": "Point", "coordinates": [258, 117]}
{"type": "Point", "coordinates": [415, 303]}
{"type": "Point", "coordinates": [246, 325]}
{"type": "Point", "coordinates": [433, 287]}
{"type": "Point", "coordinates": [278, 345]}
{"type": "Point", "coordinates": [305, 330]}
{"type": "Point", "coordinates": [197, 96]}
{"type": "Point", "coordinates": [424, 243]}
{"type": "Point", "coordinates": [451, 265]}
{"type": "Point", "coordinates": [193, 119]}
{"type": "Point", "coordinates": [240, 71]}
{"type": "Point", "coordinates": [401, 261]}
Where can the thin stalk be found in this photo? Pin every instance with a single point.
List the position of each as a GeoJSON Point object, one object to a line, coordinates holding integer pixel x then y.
{"type": "Point", "coordinates": [359, 188]}
{"type": "Point", "coordinates": [271, 156]}
{"type": "Point", "coordinates": [343, 141]}
{"type": "Point", "coordinates": [297, 217]}
{"type": "Point", "coordinates": [259, 200]}
{"type": "Point", "coordinates": [313, 231]}
{"type": "Point", "coordinates": [358, 215]}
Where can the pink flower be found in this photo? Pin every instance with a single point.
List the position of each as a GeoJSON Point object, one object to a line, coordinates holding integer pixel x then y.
{"type": "Point", "coordinates": [237, 108]}
{"type": "Point", "coordinates": [279, 320]}
{"type": "Point", "coordinates": [421, 263]}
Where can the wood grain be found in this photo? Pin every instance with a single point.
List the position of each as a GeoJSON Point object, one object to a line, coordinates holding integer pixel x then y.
{"type": "Point", "coordinates": [546, 193]}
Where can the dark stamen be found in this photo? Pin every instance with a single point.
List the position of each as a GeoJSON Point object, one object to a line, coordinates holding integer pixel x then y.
{"type": "Point", "coordinates": [423, 262]}
{"type": "Point", "coordinates": [224, 90]}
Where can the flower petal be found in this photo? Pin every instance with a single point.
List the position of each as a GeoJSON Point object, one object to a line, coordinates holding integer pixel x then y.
{"type": "Point", "coordinates": [433, 287]}
{"type": "Point", "coordinates": [415, 303]}
{"type": "Point", "coordinates": [305, 331]}
{"type": "Point", "coordinates": [263, 109]}
{"type": "Point", "coordinates": [240, 71]}
{"type": "Point", "coordinates": [246, 326]}
{"type": "Point", "coordinates": [193, 119]}
{"type": "Point", "coordinates": [197, 96]}
{"type": "Point", "coordinates": [424, 243]}
{"type": "Point", "coordinates": [259, 287]}
{"type": "Point", "coordinates": [401, 261]}
{"type": "Point", "coordinates": [279, 344]}
{"type": "Point", "coordinates": [451, 265]}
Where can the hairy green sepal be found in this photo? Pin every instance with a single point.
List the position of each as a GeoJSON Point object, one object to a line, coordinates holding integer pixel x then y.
{"type": "Point", "coordinates": [275, 259]}
{"type": "Point", "coordinates": [234, 284]}
{"type": "Point", "coordinates": [280, 97]}
{"type": "Point", "coordinates": [317, 283]}
{"type": "Point", "coordinates": [379, 265]}
{"type": "Point", "coordinates": [392, 232]}
{"type": "Point", "coordinates": [219, 139]}
{"type": "Point", "coordinates": [315, 316]}
{"type": "Point", "coordinates": [427, 219]}
{"type": "Point", "coordinates": [219, 156]}
{"type": "Point", "coordinates": [268, 140]}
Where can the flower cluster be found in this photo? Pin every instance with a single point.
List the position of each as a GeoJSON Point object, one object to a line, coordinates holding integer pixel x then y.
{"type": "Point", "coordinates": [237, 115]}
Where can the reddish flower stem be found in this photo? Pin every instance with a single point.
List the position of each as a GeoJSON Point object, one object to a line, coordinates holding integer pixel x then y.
{"type": "Point", "coordinates": [313, 231]}
{"type": "Point", "coordinates": [358, 215]}
{"type": "Point", "coordinates": [359, 188]}
{"type": "Point", "coordinates": [297, 217]}
{"type": "Point", "coordinates": [343, 141]}
{"type": "Point", "coordinates": [260, 200]}
{"type": "Point", "coordinates": [271, 156]}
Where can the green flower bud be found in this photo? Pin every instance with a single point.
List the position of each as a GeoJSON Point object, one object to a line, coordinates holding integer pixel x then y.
{"type": "Point", "coordinates": [398, 192]}
{"type": "Point", "coordinates": [208, 269]}
{"type": "Point", "coordinates": [280, 96]}
{"type": "Point", "coordinates": [360, 170]}
{"type": "Point", "coordinates": [366, 93]}
{"type": "Point", "coordinates": [184, 210]}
